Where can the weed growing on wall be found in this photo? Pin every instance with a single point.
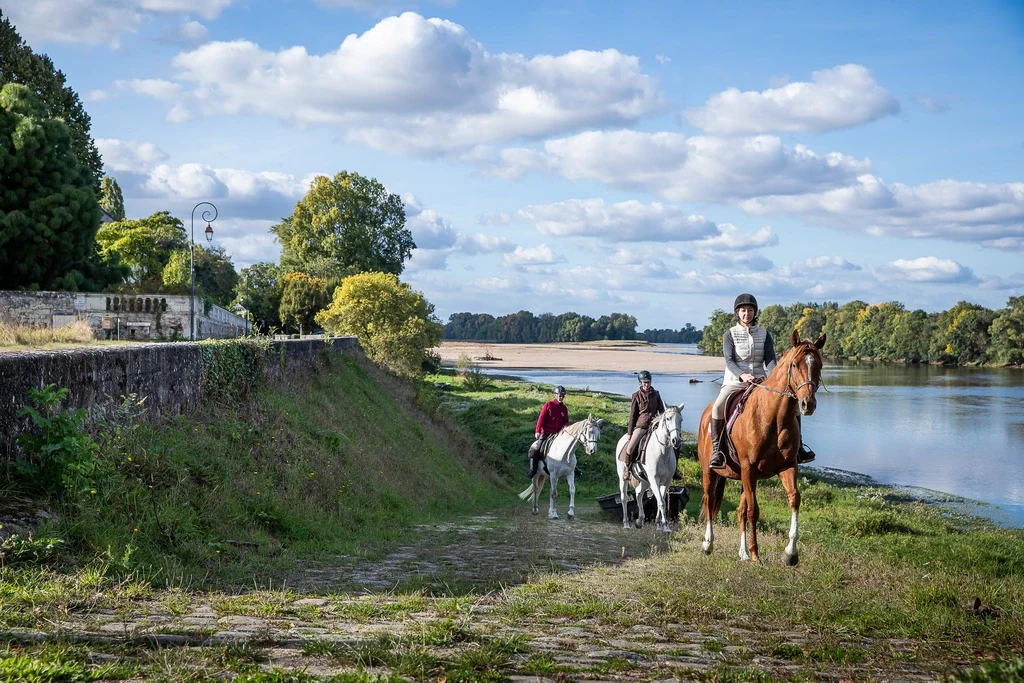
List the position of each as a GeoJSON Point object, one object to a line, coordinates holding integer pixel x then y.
{"type": "Point", "coordinates": [60, 455]}
{"type": "Point", "coordinates": [232, 369]}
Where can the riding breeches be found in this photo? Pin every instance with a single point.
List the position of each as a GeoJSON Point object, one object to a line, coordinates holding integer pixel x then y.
{"type": "Point", "coordinates": [718, 412]}
{"type": "Point", "coordinates": [629, 450]}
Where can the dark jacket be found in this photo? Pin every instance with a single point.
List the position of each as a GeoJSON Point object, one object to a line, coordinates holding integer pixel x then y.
{"type": "Point", "coordinates": [646, 404]}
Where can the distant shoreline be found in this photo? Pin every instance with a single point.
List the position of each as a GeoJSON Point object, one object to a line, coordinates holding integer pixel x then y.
{"type": "Point", "coordinates": [593, 356]}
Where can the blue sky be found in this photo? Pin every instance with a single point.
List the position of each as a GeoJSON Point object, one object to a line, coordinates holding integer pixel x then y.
{"type": "Point", "coordinates": [655, 158]}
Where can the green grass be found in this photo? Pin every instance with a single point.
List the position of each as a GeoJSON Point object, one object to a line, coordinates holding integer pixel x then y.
{"type": "Point", "coordinates": [319, 467]}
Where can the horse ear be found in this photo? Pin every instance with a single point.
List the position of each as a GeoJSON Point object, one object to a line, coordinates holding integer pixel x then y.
{"type": "Point", "coordinates": [821, 341]}
{"type": "Point", "coordinates": [600, 421]}
{"type": "Point", "coordinates": [681, 406]}
{"type": "Point", "coordinates": [795, 341]}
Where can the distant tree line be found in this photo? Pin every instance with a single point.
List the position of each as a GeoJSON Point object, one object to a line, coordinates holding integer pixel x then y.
{"type": "Point", "coordinates": [965, 334]}
{"type": "Point", "coordinates": [526, 328]}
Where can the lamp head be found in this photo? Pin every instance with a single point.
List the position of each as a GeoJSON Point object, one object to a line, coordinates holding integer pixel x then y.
{"type": "Point", "coordinates": [209, 232]}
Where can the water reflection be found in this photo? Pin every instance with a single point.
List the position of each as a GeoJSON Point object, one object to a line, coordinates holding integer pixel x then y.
{"type": "Point", "coordinates": [955, 430]}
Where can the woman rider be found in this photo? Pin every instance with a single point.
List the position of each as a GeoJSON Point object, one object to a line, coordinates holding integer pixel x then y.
{"type": "Point", "coordinates": [646, 405]}
{"type": "Point", "coordinates": [749, 357]}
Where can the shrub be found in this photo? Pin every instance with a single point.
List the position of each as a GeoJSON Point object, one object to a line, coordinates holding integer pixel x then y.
{"type": "Point", "coordinates": [60, 456]}
{"type": "Point", "coordinates": [472, 376]}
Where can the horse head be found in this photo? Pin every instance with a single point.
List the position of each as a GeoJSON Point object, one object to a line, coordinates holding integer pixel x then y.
{"type": "Point", "coordinates": [804, 373]}
{"type": "Point", "coordinates": [672, 422]}
{"type": "Point", "coordinates": [590, 433]}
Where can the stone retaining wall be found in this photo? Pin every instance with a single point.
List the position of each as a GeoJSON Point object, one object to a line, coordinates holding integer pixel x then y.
{"type": "Point", "coordinates": [168, 375]}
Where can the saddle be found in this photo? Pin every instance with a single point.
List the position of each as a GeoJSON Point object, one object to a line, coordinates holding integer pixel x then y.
{"type": "Point", "coordinates": [734, 406]}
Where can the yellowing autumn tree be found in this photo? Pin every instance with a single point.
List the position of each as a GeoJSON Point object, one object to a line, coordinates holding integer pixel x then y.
{"type": "Point", "coordinates": [394, 323]}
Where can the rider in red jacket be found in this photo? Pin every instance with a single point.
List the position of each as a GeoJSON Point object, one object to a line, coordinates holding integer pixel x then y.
{"type": "Point", "coordinates": [553, 418]}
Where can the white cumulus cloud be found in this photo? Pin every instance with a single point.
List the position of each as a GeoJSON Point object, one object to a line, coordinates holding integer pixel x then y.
{"type": "Point", "coordinates": [840, 97]}
{"type": "Point", "coordinates": [989, 214]}
{"type": "Point", "coordinates": [96, 22]}
{"type": "Point", "coordinates": [685, 169]}
{"type": "Point", "coordinates": [126, 155]}
{"type": "Point", "coordinates": [525, 257]}
{"type": "Point", "coordinates": [928, 269]}
{"type": "Point", "coordinates": [629, 221]}
{"type": "Point", "coordinates": [417, 85]}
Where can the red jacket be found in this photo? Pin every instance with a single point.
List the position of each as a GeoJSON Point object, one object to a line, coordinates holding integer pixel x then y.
{"type": "Point", "coordinates": [554, 416]}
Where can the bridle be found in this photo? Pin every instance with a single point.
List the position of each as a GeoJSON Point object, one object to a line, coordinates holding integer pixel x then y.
{"type": "Point", "coordinates": [789, 384]}
{"type": "Point", "coordinates": [661, 421]}
{"type": "Point", "coordinates": [588, 441]}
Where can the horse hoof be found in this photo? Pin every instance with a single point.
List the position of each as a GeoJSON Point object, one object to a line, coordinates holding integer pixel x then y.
{"type": "Point", "coordinates": [790, 560]}
{"type": "Point", "coordinates": [625, 525]}
{"type": "Point", "coordinates": [570, 516]}
{"type": "Point", "coordinates": [706, 547]}
{"type": "Point", "coordinates": [536, 512]}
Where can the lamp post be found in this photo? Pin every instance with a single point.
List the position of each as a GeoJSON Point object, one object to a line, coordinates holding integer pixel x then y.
{"type": "Point", "coordinates": [207, 216]}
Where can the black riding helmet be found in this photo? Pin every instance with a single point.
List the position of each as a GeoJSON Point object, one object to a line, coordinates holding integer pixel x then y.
{"type": "Point", "coordinates": [745, 300]}
{"type": "Point", "coordinates": [643, 376]}
{"type": "Point", "coordinates": [559, 390]}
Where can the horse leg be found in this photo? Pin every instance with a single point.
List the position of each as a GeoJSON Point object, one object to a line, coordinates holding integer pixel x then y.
{"type": "Point", "coordinates": [788, 477]}
{"type": "Point", "coordinates": [623, 496]}
{"type": "Point", "coordinates": [538, 486]}
{"type": "Point", "coordinates": [660, 495]}
{"type": "Point", "coordinates": [553, 496]}
{"type": "Point", "coordinates": [741, 517]}
{"type": "Point", "coordinates": [571, 479]}
{"type": "Point", "coordinates": [709, 489]}
{"type": "Point", "coordinates": [639, 492]}
{"type": "Point", "coordinates": [753, 512]}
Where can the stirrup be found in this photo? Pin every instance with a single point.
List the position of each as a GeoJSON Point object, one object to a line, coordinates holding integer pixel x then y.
{"type": "Point", "coordinates": [805, 454]}
{"type": "Point", "coordinates": [717, 461]}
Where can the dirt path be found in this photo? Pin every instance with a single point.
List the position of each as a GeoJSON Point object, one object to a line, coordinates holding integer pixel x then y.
{"type": "Point", "coordinates": [498, 615]}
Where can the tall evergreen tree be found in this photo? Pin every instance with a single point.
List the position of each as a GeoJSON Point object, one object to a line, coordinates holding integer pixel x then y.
{"type": "Point", "coordinates": [19, 64]}
{"type": "Point", "coordinates": [111, 199]}
{"type": "Point", "coordinates": [48, 210]}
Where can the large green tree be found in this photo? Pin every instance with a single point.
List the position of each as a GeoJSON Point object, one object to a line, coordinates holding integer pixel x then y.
{"type": "Point", "coordinates": [344, 225]}
{"type": "Point", "coordinates": [111, 199]}
{"type": "Point", "coordinates": [259, 291]}
{"type": "Point", "coordinates": [714, 331]}
{"type": "Point", "coordinates": [394, 323]}
{"type": "Point", "coordinates": [215, 274]}
{"type": "Point", "coordinates": [302, 297]}
{"type": "Point", "coordinates": [1007, 334]}
{"type": "Point", "coordinates": [19, 64]}
{"type": "Point", "coordinates": [48, 210]}
{"type": "Point", "coordinates": [145, 245]}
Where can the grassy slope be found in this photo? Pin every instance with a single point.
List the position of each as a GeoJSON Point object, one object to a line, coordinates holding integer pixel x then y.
{"type": "Point", "coordinates": [331, 464]}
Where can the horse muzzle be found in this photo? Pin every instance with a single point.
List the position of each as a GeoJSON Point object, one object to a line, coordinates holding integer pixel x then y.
{"type": "Point", "coordinates": [676, 442]}
{"type": "Point", "coordinates": [807, 405]}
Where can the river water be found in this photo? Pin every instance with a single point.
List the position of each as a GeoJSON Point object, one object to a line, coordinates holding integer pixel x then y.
{"type": "Point", "coordinates": [955, 430]}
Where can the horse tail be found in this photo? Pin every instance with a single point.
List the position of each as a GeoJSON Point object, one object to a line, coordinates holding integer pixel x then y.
{"type": "Point", "coordinates": [527, 493]}
{"type": "Point", "coordinates": [715, 494]}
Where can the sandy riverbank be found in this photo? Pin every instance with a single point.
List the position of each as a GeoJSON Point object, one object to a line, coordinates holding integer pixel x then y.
{"type": "Point", "coordinates": [585, 356]}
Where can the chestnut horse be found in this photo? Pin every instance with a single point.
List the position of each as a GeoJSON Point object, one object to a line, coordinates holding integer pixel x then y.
{"type": "Point", "coordinates": [767, 440]}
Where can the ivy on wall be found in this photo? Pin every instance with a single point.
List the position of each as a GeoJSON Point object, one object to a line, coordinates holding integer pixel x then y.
{"type": "Point", "coordinates": [232, 369]}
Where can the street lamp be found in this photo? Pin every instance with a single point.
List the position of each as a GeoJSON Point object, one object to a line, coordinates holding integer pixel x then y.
{"type": "Point", "coordinates": [207, 216]}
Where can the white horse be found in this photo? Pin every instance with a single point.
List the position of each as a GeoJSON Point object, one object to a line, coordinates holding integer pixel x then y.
{"type": "Point", "coordinates": [561, 462]}
{"type": "Point", "coordinates": [659, 465]}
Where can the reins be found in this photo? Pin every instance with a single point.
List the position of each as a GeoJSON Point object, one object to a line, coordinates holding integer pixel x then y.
{"type": "Point", "coordinates": [789, 383]}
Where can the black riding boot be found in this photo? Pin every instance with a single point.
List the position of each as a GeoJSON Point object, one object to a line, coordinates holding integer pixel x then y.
{"type": "Point", "coordinates": [534, 462]}
{"type": "Point", "coordinates": [717, 454]}
{"type": "Point", "coordinates": [805, 454]}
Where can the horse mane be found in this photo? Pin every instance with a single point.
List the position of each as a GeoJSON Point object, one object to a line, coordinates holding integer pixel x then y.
{"type": "Point", "coordinates": [661, 418]}
{"type": "Point", "coordinates": [576, 428]}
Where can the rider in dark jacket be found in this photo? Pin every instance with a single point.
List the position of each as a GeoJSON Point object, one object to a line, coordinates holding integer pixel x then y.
{"type": "Point", "coordinates": [646, 405]}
